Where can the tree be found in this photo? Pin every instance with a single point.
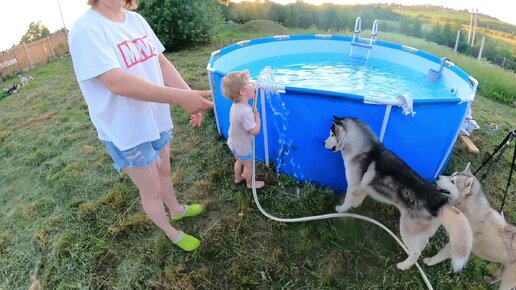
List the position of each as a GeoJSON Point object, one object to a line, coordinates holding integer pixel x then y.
{"type": "Point", "coordinates": [180, 23]}
{"type": "Point", "coordinates": [443, 35]}
{"type": "Point", "coordinates": [411, 26]}
{"type": "Point", "coordinates": [278, 13]}
{"type": "Point", "coordinates": [327, 17]}
{"type": "Point", "coordinates": [291, 17]}
{"type": "Point", "coordinates": [36, 31]}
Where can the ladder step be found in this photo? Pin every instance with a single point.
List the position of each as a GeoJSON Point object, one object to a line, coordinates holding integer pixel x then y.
{"type": "Point", "coordinates": [362, 45]}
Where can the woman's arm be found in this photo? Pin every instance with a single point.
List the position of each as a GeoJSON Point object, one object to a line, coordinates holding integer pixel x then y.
{"type": "Point", "coordinates": [173, 79]}
{"type": "Point", "coordinates": [132, 86]}
{"type": "Point", "coordinates": [171, 76]}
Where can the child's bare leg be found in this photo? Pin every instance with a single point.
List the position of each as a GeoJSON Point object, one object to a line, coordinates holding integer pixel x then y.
{"type": "Point", "coordinates": [239, 171]}
{"type": "Point", "coordinates": [168, 193]}
{"type": "Point", "coordinates": [248, 172]}
{"type": "Point", "coordinates": [147, 181]}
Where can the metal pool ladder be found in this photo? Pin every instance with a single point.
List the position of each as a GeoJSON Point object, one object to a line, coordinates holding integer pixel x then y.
{"type": "Point", "coordinates": [434, 75]}
{"type": "Point", "coordinates": [366, 43]}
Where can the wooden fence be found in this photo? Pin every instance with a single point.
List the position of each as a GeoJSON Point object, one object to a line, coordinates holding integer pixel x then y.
{"type": "Point", "coordinates": [28, 55]}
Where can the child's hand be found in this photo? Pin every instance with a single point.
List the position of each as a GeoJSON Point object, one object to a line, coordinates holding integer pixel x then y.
{"type": "Point", "coordinates": [256, 130]}
{"type": "Point", "coordinates": [196, 120]}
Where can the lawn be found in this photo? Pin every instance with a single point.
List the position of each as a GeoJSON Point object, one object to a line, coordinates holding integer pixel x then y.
{"type": "Point", "coordinates": [70, 221]}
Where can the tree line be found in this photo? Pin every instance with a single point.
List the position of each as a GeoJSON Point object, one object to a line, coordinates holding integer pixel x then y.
{"type": "Point", "coordinates": [180, 23]}
{"type": "Point", "coordinates": [335, 18]}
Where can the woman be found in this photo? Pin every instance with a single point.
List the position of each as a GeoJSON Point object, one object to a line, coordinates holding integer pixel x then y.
{"type": "Point", "coordinates": [128, 84]}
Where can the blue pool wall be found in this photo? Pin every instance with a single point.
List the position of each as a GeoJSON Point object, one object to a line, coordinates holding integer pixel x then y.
{"type": "Point", "coordinates": [424, 140]}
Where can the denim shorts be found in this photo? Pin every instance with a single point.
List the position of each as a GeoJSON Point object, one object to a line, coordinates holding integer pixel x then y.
{"type": "Point", "coordinates": [142, 155]}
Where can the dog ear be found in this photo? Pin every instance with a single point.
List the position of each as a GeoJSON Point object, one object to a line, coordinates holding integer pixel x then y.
{"type": "Point", "coordinates": [468, 186]}
{"type": "Point", "coordinates": [468, 168]}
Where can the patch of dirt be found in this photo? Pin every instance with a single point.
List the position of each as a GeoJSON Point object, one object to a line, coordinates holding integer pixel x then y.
{"type": "Point", "coordinates": [263, 26]}
{"type": "Point", "coordinates": [215, 212]}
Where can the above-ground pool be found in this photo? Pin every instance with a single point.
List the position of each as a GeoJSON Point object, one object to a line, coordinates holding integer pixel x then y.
{"type": "Point", "coordinates": [317, 77]}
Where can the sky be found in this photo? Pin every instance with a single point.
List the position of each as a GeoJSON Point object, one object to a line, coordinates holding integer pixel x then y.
{"type": "Point", "coordinates": [18, 14]}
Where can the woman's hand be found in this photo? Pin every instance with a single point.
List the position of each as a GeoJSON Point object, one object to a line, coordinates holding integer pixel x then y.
{"type": "Point", "coordinates": [194, 101]}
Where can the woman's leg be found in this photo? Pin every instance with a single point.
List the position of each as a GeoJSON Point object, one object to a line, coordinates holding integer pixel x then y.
{"type": "Point", "coordinates": [168, 193]}
{"type": "Point", "coordinates": [148, 182]}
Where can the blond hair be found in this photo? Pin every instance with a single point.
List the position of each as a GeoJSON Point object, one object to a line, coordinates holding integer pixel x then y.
{"type": "Point", "coordinates": [128, 4]}
{"type": "Point", "coordinates": [232, 83]}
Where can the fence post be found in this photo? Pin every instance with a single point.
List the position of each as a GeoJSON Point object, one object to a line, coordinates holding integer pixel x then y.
{"type": "Point", "coordinates": [481, 48]}
{"type": "Point", "coordinates": [28, 55]}
{"type": "Point", "coordinates": [470, 25]}
{"type": "Point", "coordinates": [503, 63]}
{"type": "Point", "coordinates": [474, 29]}
{"type": "Point", "coordinates": [457, 41]}
{"type": "Point", "coordinates": [51, 47]}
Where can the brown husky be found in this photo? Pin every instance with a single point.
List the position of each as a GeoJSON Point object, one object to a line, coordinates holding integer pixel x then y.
{"type": "Point", "coordinates": [493, 238]}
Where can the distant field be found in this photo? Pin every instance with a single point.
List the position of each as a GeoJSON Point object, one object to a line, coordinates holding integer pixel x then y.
{"type": "Point", "coordinates": [511, 41]}
{"type": "Point", "coordinates": [452, 15]}
{"type": "Point", "coordinates": [499, 30]}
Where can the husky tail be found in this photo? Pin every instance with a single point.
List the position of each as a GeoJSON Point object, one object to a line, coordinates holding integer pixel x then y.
{"type": "Point", "coordinates": [459, 234]}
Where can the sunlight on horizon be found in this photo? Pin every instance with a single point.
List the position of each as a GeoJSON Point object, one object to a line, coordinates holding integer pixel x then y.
{"type": "Point", "coordinates": [495, 8]}
{"type": "Point", "coordinates": [48, 13]}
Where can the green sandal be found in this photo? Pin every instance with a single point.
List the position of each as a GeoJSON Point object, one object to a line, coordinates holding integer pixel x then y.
{"type": "Point", "coordinates": [189, 210]}
{"type": "Point", "coordinates": [187, 242]}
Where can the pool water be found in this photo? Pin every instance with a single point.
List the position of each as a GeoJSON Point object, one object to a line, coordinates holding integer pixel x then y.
{"type": "Point", "coordinates": [340, 73]}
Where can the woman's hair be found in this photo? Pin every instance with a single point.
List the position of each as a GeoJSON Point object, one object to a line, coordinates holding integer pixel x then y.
{"type": "Point", "coordinates": [232, 83]}
{"type": "Point", "coordinates": [128, 4]}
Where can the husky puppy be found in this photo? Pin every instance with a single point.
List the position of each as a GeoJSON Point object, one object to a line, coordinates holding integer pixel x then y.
{"type": "Point", "coordinates": [372, 169]}
{"type": "Point", "coordinates": [493, 238]}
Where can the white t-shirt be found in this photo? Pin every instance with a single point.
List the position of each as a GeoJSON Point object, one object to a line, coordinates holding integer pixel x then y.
{"type": "Point", "coordinates": [98, 45]}
{"type": "Point", "coordinates": [241, 120]}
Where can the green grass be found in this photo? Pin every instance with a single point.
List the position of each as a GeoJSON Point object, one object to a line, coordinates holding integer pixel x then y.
{"type": "Point", "coordinates": [70, 221]}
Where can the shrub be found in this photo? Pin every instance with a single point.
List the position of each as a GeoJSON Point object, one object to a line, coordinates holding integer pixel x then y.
{"type": "Point", "coordinates": [181, 23]}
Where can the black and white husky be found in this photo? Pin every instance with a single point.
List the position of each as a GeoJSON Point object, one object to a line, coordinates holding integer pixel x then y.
{"type": "Point", "coordinates": [375, 170]}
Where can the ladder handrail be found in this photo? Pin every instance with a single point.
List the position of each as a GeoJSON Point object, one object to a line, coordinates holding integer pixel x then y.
{"type": "Point", "coordinates": [358, 25]}
{"type": "Point", "coordinates": [374, 30]}
{"type": "Point", "coordinates": [356, 36]}
{"type": "Point", "coordinates": [358, 29]}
